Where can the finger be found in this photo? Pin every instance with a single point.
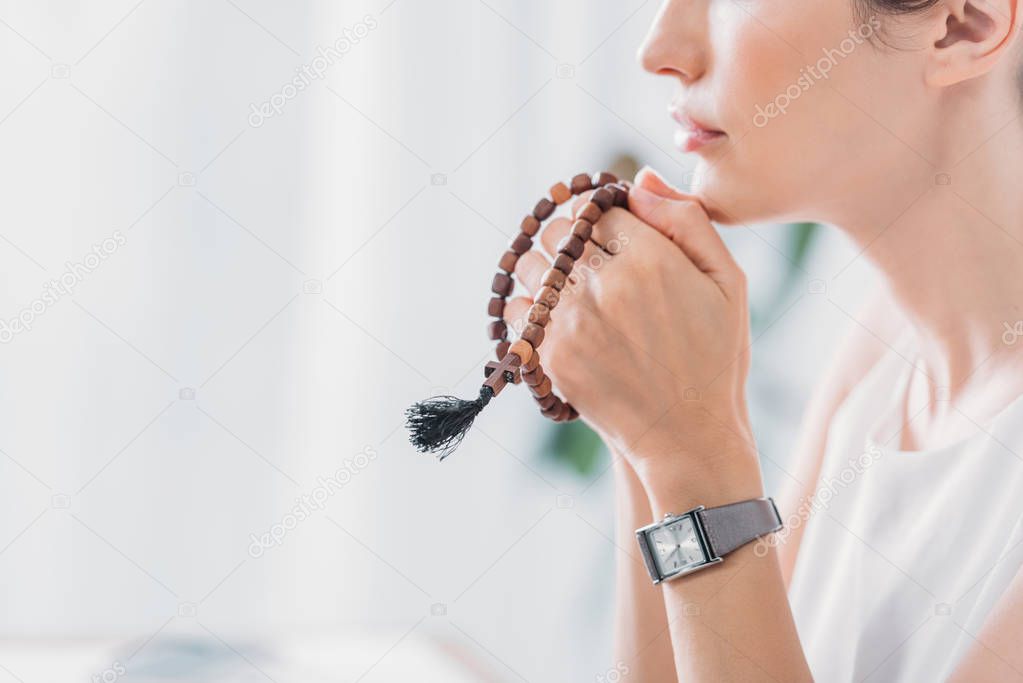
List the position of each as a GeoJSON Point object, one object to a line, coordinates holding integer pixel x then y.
{"type": "Point", "coordinates": [558, 229]}
{"type": "Point", "coordinates": [616, 229]}
{"type": "Point", "coordinates": [553, 234]}
{"type": "Point", "coordinates": [515, 313]}
{"type": "Point", "coordinates": [593, 260]}
{"type": "Point", "coordinates": [651, 180]}
{"type": "Point", "coordinates": [529, 270]}
{"type": "Point", "coordinates": [577, 206]}
{"type": "Point", "coordinates": [593, 255]}
{"type": "Point", "coordinates": [685, 222]}
{"type": "Point", "coordinates": [580, 201]}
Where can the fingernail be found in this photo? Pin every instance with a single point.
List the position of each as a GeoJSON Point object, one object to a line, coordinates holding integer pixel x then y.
{"type": "Point", "coordinates": [655, 174]}
{"type": "Point", "coordinates": [654, 181]}
{"type": "Point", "coordinates": [647, 175]}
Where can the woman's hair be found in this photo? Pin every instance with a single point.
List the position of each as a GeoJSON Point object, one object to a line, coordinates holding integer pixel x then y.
{"type": "Point", "coordinates": [865, 9]}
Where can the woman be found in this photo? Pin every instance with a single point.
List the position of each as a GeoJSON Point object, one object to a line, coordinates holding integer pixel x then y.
{"type": "Point", "coordinates": [899, 121]}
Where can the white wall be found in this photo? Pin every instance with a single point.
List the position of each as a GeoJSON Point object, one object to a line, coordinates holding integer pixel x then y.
{"type": "Point", "coordinates": [307, 280]}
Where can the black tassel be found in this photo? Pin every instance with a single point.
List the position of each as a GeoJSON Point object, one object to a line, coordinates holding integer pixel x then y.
{"type": "Point", "coordinates": [438, 425]}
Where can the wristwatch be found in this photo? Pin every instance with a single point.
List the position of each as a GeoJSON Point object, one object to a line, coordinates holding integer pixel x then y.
{"type": "Point", "coordinates": [682, 544]}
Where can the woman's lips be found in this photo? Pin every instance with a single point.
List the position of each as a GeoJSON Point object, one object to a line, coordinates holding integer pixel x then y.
{"type": "Point", "coordinates": [692, 135]}
{"type": "Point", "coordinates": [693, 140]}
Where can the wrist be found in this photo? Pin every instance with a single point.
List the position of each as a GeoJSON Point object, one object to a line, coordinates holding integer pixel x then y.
{"type": "Point", "coordinates": [682, 483]}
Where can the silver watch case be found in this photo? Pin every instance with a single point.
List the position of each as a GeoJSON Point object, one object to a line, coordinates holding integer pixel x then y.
{"type": "Point", "coordinates": [643, 537]}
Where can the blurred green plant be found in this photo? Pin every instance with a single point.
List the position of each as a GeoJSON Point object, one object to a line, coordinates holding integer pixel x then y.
{"type": "Point", "coordinates": [575, 446]}
{"type": "Point", "coordinates": [800, 238]}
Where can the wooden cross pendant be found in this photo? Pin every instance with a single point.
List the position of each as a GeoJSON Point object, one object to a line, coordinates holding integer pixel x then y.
{"type": "Point", "coordinates": [500, 373]}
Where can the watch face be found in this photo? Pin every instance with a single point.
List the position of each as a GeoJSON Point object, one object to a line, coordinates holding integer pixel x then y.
{"type": "Point", "coordinates": [676, 547]}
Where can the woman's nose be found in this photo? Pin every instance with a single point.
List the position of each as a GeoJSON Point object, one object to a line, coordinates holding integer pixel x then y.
{"type": "Point", "coordinates": [675, 44]}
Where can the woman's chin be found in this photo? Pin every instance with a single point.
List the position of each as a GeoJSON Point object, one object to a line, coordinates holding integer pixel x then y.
{"type": "Point", "coordinates": [733, 204]}
{"type": "Point", "coordinates": [725, 209]}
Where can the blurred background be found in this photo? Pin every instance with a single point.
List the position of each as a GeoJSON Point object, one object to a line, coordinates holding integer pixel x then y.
{"type": "Point", "coordinates": [239, 237]}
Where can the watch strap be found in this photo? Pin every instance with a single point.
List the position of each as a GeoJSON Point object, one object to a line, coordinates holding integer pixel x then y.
{"type": "Point", "coordinates": [732, 526]}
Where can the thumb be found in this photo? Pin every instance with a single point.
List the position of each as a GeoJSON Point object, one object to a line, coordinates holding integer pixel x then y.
{"type": "Point", "coordinates": [685, 222]}
{"type": "Point", "coordinates": [650, 179]}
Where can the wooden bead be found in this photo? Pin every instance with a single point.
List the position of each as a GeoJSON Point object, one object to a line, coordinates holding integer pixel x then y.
{"type": "Point", "coordinates": [564, 263]}
{"type": "Point", "coordinates": [621, 195]}
{"type": "Point", "coordinates": [560, 193]}
{"type": "Point", "coordinates": [590, 212]}
{"type": "Point", "coordinates": [548, 296]}
{"type": "Point", "coordinates": [539, 314]}
{"type": "Point", "coordinates": [571, 246]}
{"type": "Point", "coordinates": [498, 330]}
{"type": "Point", "coordinates": [530, 226]}
{"type": "Point", "coordinates": [522, 349]}
{"type": "Point", "coordinates": [544, 209]}
{"type": "Point", "coordinates": [608, 193]}
{"type": "Point", "coordinates": [547, 401]}
{"type": "Point", "coordinates": [508, 261]}
{"type": "Point", "coordinates": [554, 278]}
{"type": "Point", "coordinates": [533, 334]}
{"type": "Point", "coordinates": [502, 284]}
{"type": "Point", "coordinates": [521, 244]}
{"type": "Point", "coordinates": [604, 198]}
{"type": "Point", "coordinates": [542, 389]}
{"type": "Point", "coordinates": [554, 410]}
{"type": "Point", "coordinates": [582, 229]}
{"type": "Point", "coordinates": [533, 379]}
{"type": "Point", "coordinates": [581, 183]}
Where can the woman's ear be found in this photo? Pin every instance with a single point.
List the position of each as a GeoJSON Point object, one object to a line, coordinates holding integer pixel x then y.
{"type": "Point", "coordinates": [970, 37]}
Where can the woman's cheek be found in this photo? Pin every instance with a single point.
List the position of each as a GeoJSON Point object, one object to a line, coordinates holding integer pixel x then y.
{"type": "Point", "coordinates": [750, 62]}
{"type": "Point", "coordinates": [783, 110]}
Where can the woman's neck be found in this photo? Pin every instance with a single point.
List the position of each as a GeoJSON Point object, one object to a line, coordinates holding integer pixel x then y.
{"type": "Point", "coordinates": [952, 254]}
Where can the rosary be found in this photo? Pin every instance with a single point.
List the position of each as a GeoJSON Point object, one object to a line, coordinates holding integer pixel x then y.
{"type": "Point", "coordinates": [439, 424]}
